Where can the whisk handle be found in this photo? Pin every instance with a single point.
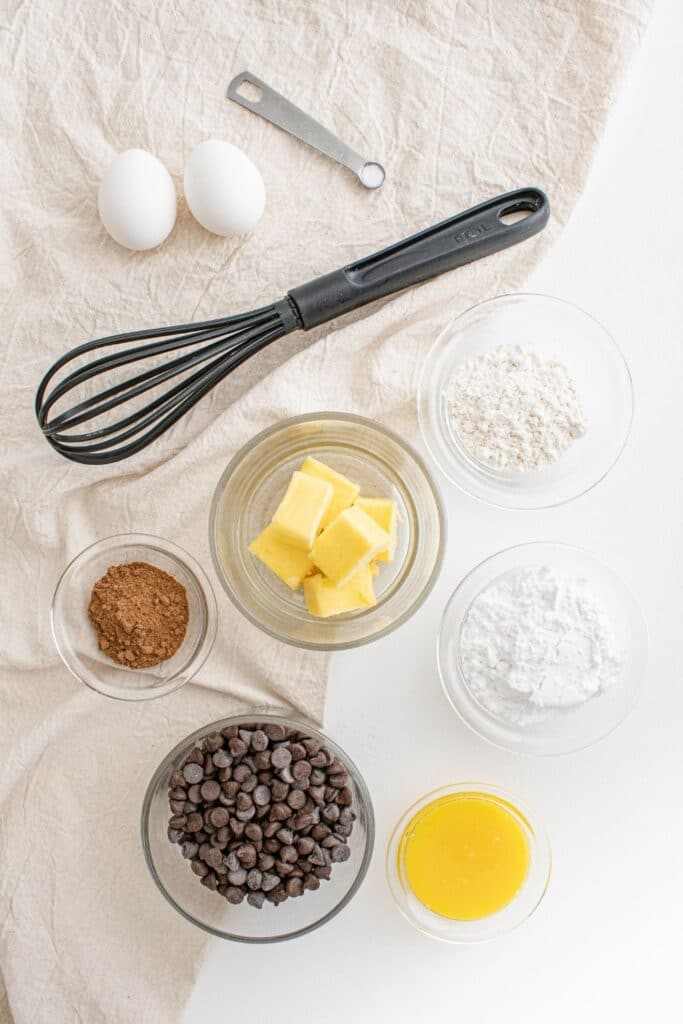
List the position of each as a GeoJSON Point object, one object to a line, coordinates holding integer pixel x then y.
{"type": "Point", "coordinates": [468, 236]}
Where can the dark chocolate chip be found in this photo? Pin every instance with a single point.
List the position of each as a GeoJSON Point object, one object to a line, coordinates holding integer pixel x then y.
{"type": "Point", "coordinates": [210, 790]}
{"type": "Point", "coordinates": [339, 780]}
{"type": "Point", "coordinates": [278, 790]}
{"type": "Point", "coordinates": [294, 887]}
{"type": "Point", "coordinates": [237, 746]}
{"type": "Point", "coordinates": [214, 858]}
{"type": "Point", "coordinates": [304, 820]}
{"type": "Point", "coordinates": [249, 784]}
{"type": "Point", "coordinates": [274, 731]}
{"type": "Point", "coordinates": [246, 855]}
{"type": "Point", "coordinates": [213, 742]}
{"type": "Point", "coordinates": [259, 740]}
{"type": "Point", "coordinates": [280, 758]}
{"type": "Point", "coordinates": [254, 832]}
{"type": "Point", "coordinates": [269, 881]}
{"type": "Point", "coordinates": [280, 812]}
{"type": "Point", "coordinates": [254, 879]}
{"type": "Point", "coordinates": [222, 759]}
{"type": "Point", "coordinates": [301, 770]}
{"type": "Point", "coordinates": [193, 773]}
{"type": "Point", "coordinates": [296, 799]}
{"type": "Point", "coordinates": [261, 796]}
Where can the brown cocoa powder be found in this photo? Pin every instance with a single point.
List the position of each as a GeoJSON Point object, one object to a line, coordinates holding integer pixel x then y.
{"type": "Point", "coordinates": [140, 614]}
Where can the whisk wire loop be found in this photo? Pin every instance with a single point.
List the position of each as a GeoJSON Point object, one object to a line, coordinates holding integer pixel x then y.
{"type": "Point", "coordinates": [126, 390]}
{"type": "Point", "coordinates": [219, 347]}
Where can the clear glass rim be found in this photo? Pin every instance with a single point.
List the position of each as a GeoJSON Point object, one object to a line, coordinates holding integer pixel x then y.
{"type": "Point", "coordinates": [368, 425]}
{"type": "Point", "coordinates": [540, 851]}
{"type": "Point", "coordinates": [448, 689]}
{"type": "Point", "coordinates": [210, 613]}
{"type": "Point", "coordinates": [242, 719]}
{"type": "Point", "coordinates": [422, 388]}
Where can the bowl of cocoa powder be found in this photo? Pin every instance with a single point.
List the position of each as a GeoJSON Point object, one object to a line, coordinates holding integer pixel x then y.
{"type": "Point", "coordinates": [134, 616]}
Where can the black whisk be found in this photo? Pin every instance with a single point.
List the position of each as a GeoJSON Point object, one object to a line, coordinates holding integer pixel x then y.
{"type": "Point", "coordinates": [217, 347]}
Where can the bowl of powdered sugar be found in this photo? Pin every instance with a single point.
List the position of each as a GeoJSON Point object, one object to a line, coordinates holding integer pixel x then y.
{"type": "Point", "coordinates": [525, 401]}
{"type": "Point", "coordinates": [542, 649]}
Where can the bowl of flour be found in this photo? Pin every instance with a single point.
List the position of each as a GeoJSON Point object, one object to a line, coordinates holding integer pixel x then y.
{"type": "Point", "coordinates": [525, 401]}
{"type": "Point", "coordinates": [542, 649]}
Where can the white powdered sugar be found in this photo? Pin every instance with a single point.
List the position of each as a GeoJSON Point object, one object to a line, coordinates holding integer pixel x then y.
{"type": "Point", "coordinates": [533, 641]}
{"type": "Point", "coordinates": [513, 410]}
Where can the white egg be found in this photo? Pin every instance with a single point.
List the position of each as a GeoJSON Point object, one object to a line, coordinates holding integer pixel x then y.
{"type": "Point", "coordinates": [223, 188]}
{"type": "Point", "coordinates": [137, 200]}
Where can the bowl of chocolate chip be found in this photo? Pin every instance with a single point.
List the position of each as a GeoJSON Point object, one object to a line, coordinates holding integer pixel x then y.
{"type": "Point", "coordinates": [134, 616]}
{"type": "Point", "coordinates": [258, 828]}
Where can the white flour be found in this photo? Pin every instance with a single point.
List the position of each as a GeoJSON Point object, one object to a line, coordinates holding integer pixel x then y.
{"type": "Point", "coordinates": [533, 641]}
{"type": "Point", "coordinates": [514, 411]}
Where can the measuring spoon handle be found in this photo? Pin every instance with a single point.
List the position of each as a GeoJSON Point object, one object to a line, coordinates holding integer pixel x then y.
{"type": "Point", "coordinates": [277, 109]}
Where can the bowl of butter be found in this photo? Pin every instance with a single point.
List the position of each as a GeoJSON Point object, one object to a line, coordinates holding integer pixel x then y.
{"type": "Point", "coordinates": [327, 531]}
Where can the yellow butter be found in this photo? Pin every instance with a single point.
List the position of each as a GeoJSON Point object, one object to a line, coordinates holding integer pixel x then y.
{"type": "Point", "coordinates": [345, 492]}
{"type": "Point", "coordinates": [300, 513]}
{"type": "Point", "coordinates": [348, 544]}
{"type": "Point", "coordinates": [324, 599]}
{"type": "Point", "coordinates": [385, 514]}
{"type": "Point", "coordinates": [289, 563]}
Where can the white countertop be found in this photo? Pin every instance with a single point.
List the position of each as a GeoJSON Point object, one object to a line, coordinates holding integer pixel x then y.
{"type": "Point", "coordinates": [604, 945]}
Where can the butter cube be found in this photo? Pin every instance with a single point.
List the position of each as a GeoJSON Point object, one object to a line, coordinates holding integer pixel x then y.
{"type": "Point", "coordinates": [348, 544]}
{"type": "Point", "coordinates": [324, 599]}
{"type": "Point", "coordinates": [289, 563]}
{"type": "Point", "coordinates": [345, 492]}
{"type": "Point", "coordinates": [300, 513]}
{"type": "Point", "coordinates": [385, 514]}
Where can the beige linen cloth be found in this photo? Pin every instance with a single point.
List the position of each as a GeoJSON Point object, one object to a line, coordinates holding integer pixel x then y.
{"type": "Point", "coordinates": [460, 100]}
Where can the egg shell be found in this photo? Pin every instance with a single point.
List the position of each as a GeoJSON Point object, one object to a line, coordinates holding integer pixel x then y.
{"type": "Point", "coordinates": [137, 200]}
{"type": "Point", "coordinates": [223, 188]}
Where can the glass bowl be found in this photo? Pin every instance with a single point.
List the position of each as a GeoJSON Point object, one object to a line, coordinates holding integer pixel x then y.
{"type": "Point", "coordinates": [248, 494]}
{"type": "Point", "coordinates": [481, 929]}
{"type": "Point", "coordinates": [552, 329]}
{"type": "Point", "coordinates": [75, 636]}
{"type": "Point", "coordinates": [244, 923]}
{"type": "Point", "coordinates": [557, 731]}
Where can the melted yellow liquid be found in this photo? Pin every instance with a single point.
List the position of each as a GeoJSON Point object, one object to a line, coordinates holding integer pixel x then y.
{"type": "Point", "coordinates": [466, 855]}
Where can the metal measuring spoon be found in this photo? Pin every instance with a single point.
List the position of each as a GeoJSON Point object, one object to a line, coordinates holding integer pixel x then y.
{"type": "Point", "coordinates": [274, 107]}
